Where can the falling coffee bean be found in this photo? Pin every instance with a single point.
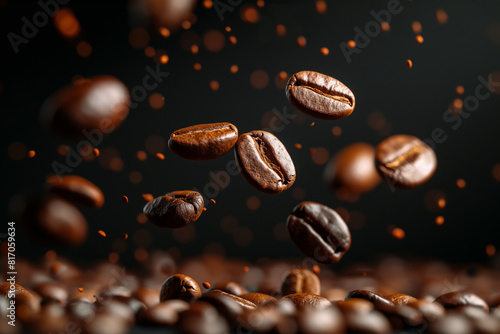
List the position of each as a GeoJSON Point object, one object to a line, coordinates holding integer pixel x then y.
{"type": "Point", "coordinates": [319, 232]}
{"type": "Point", "coordinates": [264, 162]}
{"type": "Point", "coordinates": [88, 108]}
{"type": "Point", "coordinates": [405, 161]}
{"type": "Point", "coordinates": [174, 210]}
{"type": "Point", "coordinates": [319, 95]}
{"type": "Point", "coordinates": [203, 141]}
{"type": "Point", "coordinates": [180, 287]}
{"type": "Point", "coordinates": [76, 189]}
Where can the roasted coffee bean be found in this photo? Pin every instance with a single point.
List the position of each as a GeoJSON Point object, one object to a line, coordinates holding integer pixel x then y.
{"type": "Point", "coordinates": [161, 314]}
{"type": "Point", "coordinates": [76, 189]}
{"type": "Point", "coordinates": [146, 295]}
{"type": "Point", "coordinates": [319, 95]}
{"type": "Point", "coordinates": [372, 322]}
{"type": "Point", "coordinates": [105, 323]}
{"type": "Point", "coordinates": [400, 299]}
{"type": "Point", "coordinates": [52, 291]}
{"type": "Point", "coordinates": [259, 299]}
{"type": "Point", "coordinates": [230, 287]}
{"type": "Point", "coordinates": [319, 232]}
{"type": "Point", "coordinates": [88, 108]}
{"type": "Point", "coordinates": [458, 298]}
{"type": "Point", "coordinates": [431, 311]}
{"type": "Point", "coordinates": [301, 280]}
{"type": "Point", "coordinates": [353, 169]}
{"type": "Point", "coordinates": [308, 300]}
{"type": "Point", "coordinates": [327, 320]}
{"type": "Point", "coordinates": [180, 287]}
{"type": "Point", "coordinates": [116, 308]}
{"type": "Point", "coordinates": [261, 319]}
{"type": "Point", "coordinates": [231, 307]}
{"type": "Point", "coordinates": [378, 301]}
{"type": "Point", "coordinates": [354, 305]}
{"type": "Point", "coordinates": [452, 323]}
{"type": "Point", "coordinates": [203, 141]}
{"type": "Point", "coordinates": [221, 295]}
{"type": "Point", "coordinates": [176, 209]}
{"type": "Point", "coordinates": [403, 317]}
{"type": "Point", "coordinates": [24, 299]}
{"type": "Point", "coordinates": [202, 318]}
{"type": "Point", "coordinates": [60, 221]}
{"type": "Point", "coordinates": [264, 162]}
{"type": "Point", "coordinates": [405, 161]}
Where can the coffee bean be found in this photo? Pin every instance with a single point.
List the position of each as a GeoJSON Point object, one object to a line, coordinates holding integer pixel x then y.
{"type": "Point", "coordinates": [354, 305]}
{"type": "Point", "coordinates": [327, 320]}
{"type": "Point", "coordinates": [146, 295]}
{"type": "Point", "coordinates": [89, 108]}
{"type": "Point", "coordinates": [458, 298]}
{"type": "Point", "coordinates": [353, 169]}
{"type": "Point", "coordinates": [105, 322]}
{"type": "Point", "coordinates": [231, 307]}
{"type": "Point", "coordinates": [180, 287]}
{"type": "Point", "coordinates": [230, 287]}
{"type": "Point", "coordinates": [319, 95]}
{"type": "Point", "coordinates": [203, 141]}
{"type": "Point", "coordinates": [76, 189]}
{"type": "Point", "coordinates": [161, 314]}
{"type": "Point", "coordinates": [259, 299]}
{"type": "Point", "coordinates": [202, 318]}
{"type": "Point", "coordinates": [264, 162]}
{"type": "Point", "coordinates": [372, 322]}
{"type": "Point", "coordinates": [174, 210]}
{"type": "Point", "coordinates": [60, 221]}
{"type": "Point", "coordinates": [400, 299]}
{"type": "Point", "coordinates": [308, 300]}
{"type": "Point", "coordinates": [431, 311]}
{"type": "Point", "coordinates": [301, 280]}
{"type": "Point", "coordinates": [319, 232]}
{"type": "Point", "coordinates": [378, 301]}
{"type": "Point", "coordinates": [405, 161]}
{"type": "Point", "coordinates": [452, 323]}
{"type": "Point", "coordinates": [52, 291]}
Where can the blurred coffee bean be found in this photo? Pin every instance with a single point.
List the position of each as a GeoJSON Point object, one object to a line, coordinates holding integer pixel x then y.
{"type": "Point", "coordinates": [89, 108]}
{"type": "Point", "coordinates": [319, 232]}
{"type": "Point", "coordinates": [308, 300]}
{"type": "Point", "coordinates": [230, 287]}
{"type": "Point", "coordinates": [52, 291]}
{"type": "Point", "coordinates": [259, 299]}
{"type": "Point", "coordinates": [76, 189]}
{"type": "Point", "coordinates": [400, 299]}
{"type": "Point", "coordinates": [405, 161]}
{"type": "Point", "coordinates": [459, 298]}
{"type": "Point", "coordinates": [203, 141]}
{"type": "Point", "coordinates": [202, 318]}
{"type": "Point", "coordinates": [301, 280]}
{"type": "Point", "coordinates": [161, 13]}
{"type": "Point", "coordinates": [430, 310]}
{"type": "Point", "coordinates": [326, 320]}
{"type": "Point", "coordinates": [147, 296]}
{"type": "Point", "coordinates": [176, 209]}
{"type": "Point", "coordinates": [452, 324]}
{"type": "Point", "coordinates": [161, 314]}
{"type": "Point", "coordinates": [372, 322]}
{"type": "Point", "coordinates": [180, 287]}
{"type": "Point", "coordinates": [230, 306]}
{"type": "Point", "coordinates": [378, 301]}
{"type": "Point", "coordinates": [353, 169]}
{"type": "Point", "coordinates": [105, 323]}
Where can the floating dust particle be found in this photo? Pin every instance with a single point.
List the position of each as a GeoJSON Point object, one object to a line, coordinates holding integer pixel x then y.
{"type": "Point", "coordinates": [280, 30]}
{"type": "Point", "coordinates": [147, 197]}
{"type": "Point", "coordinates": [125, 236]}
{"type": "Point", "coordinates": [385, 26]}
{"type": "Point", "coordinates": [208, 4]}
{"type": "Point", "coordinates": [164, 32]}
{"type": "Point", "coordinates": [460, 90]}
{"type": "Point", "coordinates": [84, 49]}
{"type": "Point", "coordinates": [253, 203]}
{"type": "Point", "coordinates": [80, 289]}
{"type": "Point", "coordinates": [212, 201]}
{"type": "Point", "coordinates": [233, 40]}
{"type": "Point", "coordinates": [124, 199]}
{"type": "Point", "coordinates": [197, 66]}
{"type": "Point", "coordinates": [214, 85]}
{"type": "Point", "coordinates": [195, 49]}
{"type": "Point", "coordinates": [206, 285]}
{"type": "Point", "coordinates": [234, 69]}
{"type": "Point", "coordinates": [419, 39]}
{"type": "Point", "coordinates": [351, 44]}
{"type": "Point", "coordinates": [149, 52]}
{"type": "Point", "coordinates": [301, 41]}
{"type": "Point", "coordinates": [96, 152]}
{"type": "Point", "coordinates": [321, 6]}
{"type": "Point", "coordinates": [416, 27]}
{"type": "Point", "coordinates": [312, 123]}
{"type": "Point", "coordinates": [141, 155]}
{"type": "Point", "coordinates": [441, 16]}
{"type": "Point", "coordinates": [246, 269]}
{"type": "Point", "coordinates": [31, 154]}
{"type": "Point", "coordinates": [461, 183]}
{"type": "Point", "coordinates": [316, 269]}
{"type": "Point", "coordinates": [441, 203]}
{"type": "Point", "coordinates": [164, 59]}
{"type": "Point", "coordinates": [283, 75]}
{"type": "Point", "coordinates": [160, 156]}
{"type": "Point", "coordinates": [204, 209]}
{"type": "Point", "coordinates": [409, 63]}
{"type": "Point", "coordinates": [439, 220]}
{"type": "Point", "coordinates": [298, 146]}
{"type": "Point", "coordinates": [324, 51]}
{"type": "Point", "coordinates": [227, 28]}
{"type": "Point", "coordinates": [490, 250]}
{"type": "Point", "coordinates": [336, 131]}
{"type": "Point", "coordinates": [101, 233]}
{"type": "Point", "coordinates": [398, 233]}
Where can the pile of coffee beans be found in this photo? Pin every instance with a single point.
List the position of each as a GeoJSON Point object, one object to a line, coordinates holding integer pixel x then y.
{"type": "Point", "coordinates": [218, 295]}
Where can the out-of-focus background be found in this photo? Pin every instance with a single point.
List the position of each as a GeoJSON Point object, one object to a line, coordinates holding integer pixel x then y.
{"type": "Point", "coordinates": [461, 48]}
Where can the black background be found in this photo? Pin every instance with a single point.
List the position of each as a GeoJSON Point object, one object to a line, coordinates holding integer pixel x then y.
{"type": "Point", "coordinates": [412, 100]}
